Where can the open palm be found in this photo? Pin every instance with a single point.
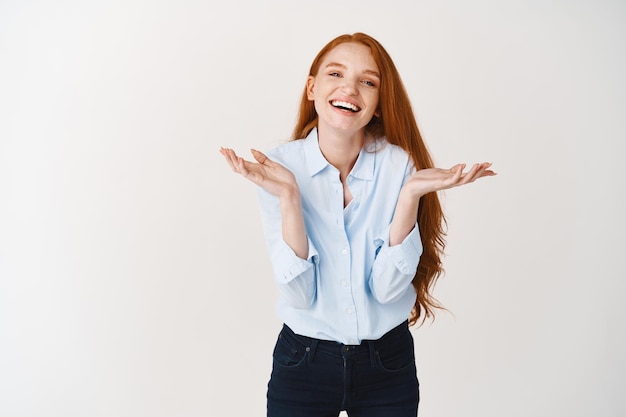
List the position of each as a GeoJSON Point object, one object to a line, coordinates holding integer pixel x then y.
{"type": "Point", "coordinates": [428, 180]}
{"type": "Point", "coordinates": [267, 174]}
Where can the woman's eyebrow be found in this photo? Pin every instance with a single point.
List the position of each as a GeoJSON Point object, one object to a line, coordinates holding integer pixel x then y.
{"type": "Point", "coordinates": [337, 64]}
{"type": "Point", "coordinates": [372, 72]}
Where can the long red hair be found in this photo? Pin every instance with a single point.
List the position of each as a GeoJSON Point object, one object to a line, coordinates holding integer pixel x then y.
{"type": "Point", "coordinates": [396, 122]}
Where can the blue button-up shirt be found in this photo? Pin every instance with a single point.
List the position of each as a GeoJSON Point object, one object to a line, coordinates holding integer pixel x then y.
{"type": "Point", "coordinates": [353, 286]}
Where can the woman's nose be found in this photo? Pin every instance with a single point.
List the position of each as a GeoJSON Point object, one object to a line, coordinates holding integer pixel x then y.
{"type": "Point", "coordinates": [350, 86]}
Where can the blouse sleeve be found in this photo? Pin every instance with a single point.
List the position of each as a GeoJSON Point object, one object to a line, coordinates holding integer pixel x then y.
{"type": "Point", "coordinates": [294, 276]}
{"type": "Point", "coordinates": [395, 266]}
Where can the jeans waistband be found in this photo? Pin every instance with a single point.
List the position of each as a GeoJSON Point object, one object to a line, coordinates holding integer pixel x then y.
{"type": "Point", "coordinates": [335, 348]}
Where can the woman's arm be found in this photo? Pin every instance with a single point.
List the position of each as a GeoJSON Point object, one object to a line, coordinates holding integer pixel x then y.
{"type": "Point", "coordinates": [398, 256]}
{"type": "Point", "coordinates": [291, 255]}
{"type": "Point", "coordinates": [423, 182]}
{"type": "Point", "coordinates": [280, 182]}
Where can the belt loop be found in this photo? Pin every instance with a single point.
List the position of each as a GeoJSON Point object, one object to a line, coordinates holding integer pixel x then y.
{"type": "Point", "coordinates": [312, 348]}
{"type": "Point", "coordinates": [373, 355]}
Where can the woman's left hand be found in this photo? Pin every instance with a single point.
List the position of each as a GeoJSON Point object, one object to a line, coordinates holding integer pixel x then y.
{"type": "Point", "coordinates": [429, 180]}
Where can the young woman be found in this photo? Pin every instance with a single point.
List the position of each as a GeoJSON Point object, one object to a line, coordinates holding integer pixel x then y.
{"type": "Point", "coordinates": [355, 232]}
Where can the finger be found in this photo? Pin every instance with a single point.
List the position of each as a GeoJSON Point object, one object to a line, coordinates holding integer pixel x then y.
{"type": "Point", "coordinates": [456, 167]}
{"type": "Point", "coordinates": [230, 157]}
{"type": "Point", "coordinates": [242, 166]}
{"type": "Point", "coordinates": [261, 157]}
{"type": "Point", "coordinates": [231, 165]}
{"type": "Point", "coordinates": [237, 163]}
{"type": "Point", "coordinates": [478, 171]}
{"type": "Point", "coordinates": [457, 173]}
{"type": "Point", "coordinates": [486, 172]}
{"type": "Point", "coordinates": [227, 152]}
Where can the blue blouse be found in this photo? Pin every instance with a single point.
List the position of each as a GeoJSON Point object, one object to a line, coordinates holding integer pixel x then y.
{"type": "Point", "coordinates": [353, 286]}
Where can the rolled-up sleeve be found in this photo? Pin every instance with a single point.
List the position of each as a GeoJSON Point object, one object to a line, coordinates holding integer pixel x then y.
{"type": "Point", "coordinates": [395, 266]}
{"type": "Point", "coordinates": [294, 276]}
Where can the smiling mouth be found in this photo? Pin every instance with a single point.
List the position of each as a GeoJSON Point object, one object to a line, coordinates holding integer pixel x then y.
{"type": "Point", "coordinates": [344, 105]}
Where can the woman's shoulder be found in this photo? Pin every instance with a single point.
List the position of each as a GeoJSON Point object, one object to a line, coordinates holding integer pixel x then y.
{"type": "Point", "coordinates": [291, 154]}
{"type": "Point", "coordinates": [387, 149]}
{"type": "Point", "coordinates": [291, 149]}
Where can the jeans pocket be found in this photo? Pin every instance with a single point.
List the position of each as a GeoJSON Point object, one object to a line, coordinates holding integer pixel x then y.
{"type": "Point", "coordinates": [397, 357]}
{"type": "Point", "coordinates": [289, 353]}
{"type": "Point", "coordinates": [395, 361]}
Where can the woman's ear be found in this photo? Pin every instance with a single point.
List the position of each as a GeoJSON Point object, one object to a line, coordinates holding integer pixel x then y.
{"type": "Point", "coordinates": [310, 84]}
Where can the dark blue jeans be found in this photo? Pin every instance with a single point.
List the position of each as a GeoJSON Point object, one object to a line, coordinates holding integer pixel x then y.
{"type": "Point", "coordinates": [317, 378]}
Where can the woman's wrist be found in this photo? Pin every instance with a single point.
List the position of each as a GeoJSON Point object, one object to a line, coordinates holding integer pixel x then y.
{"type": "Point", "coordinates": [408, 198]}
{"type": "Point", "coordinates": [290, 197]}
{"type": "Point", "coordinates": [404, 217]}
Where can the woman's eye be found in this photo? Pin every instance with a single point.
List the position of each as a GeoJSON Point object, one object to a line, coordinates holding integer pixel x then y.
{"type": "Point", "coordinates": [369, 83]}
{"type": "Point", "coordinates": [335, 74]}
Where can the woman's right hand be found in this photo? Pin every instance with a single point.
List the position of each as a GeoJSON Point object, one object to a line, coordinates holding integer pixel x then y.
{"type": "Point", "coordinates": [267, 174]}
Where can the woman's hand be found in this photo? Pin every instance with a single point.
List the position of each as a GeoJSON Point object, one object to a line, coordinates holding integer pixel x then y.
{"type": "Point", "coordinates": [423, 182]}
{"type": "Point", "coordinates": [267, 174]}
{"type": "Point", "coordinates": [428, 180]}
{"type": "Point", "coordinates": [279, 181]}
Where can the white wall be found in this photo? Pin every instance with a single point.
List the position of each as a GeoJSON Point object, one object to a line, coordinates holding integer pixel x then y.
{"type": "Point", "coordinates": [133, 276]}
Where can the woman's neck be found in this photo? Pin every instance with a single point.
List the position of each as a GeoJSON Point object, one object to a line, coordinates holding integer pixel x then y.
{"type": "Point", "coordinates": [341, 150]}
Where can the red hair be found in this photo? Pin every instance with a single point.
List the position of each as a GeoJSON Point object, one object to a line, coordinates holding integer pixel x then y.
{"type": "Point", "coordinates": [396, 122]}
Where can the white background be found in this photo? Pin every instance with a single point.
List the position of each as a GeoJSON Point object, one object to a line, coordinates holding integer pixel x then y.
{"type": "Point", "coordinates": [134, 280]}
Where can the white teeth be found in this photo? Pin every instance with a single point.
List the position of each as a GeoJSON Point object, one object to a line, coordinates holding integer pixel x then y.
{"type": "Point", "coordinates": [345, 105]}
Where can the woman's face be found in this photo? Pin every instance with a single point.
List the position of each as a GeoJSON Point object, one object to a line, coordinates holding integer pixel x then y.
{"type": "Point", "coordinates": [346, 88]}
